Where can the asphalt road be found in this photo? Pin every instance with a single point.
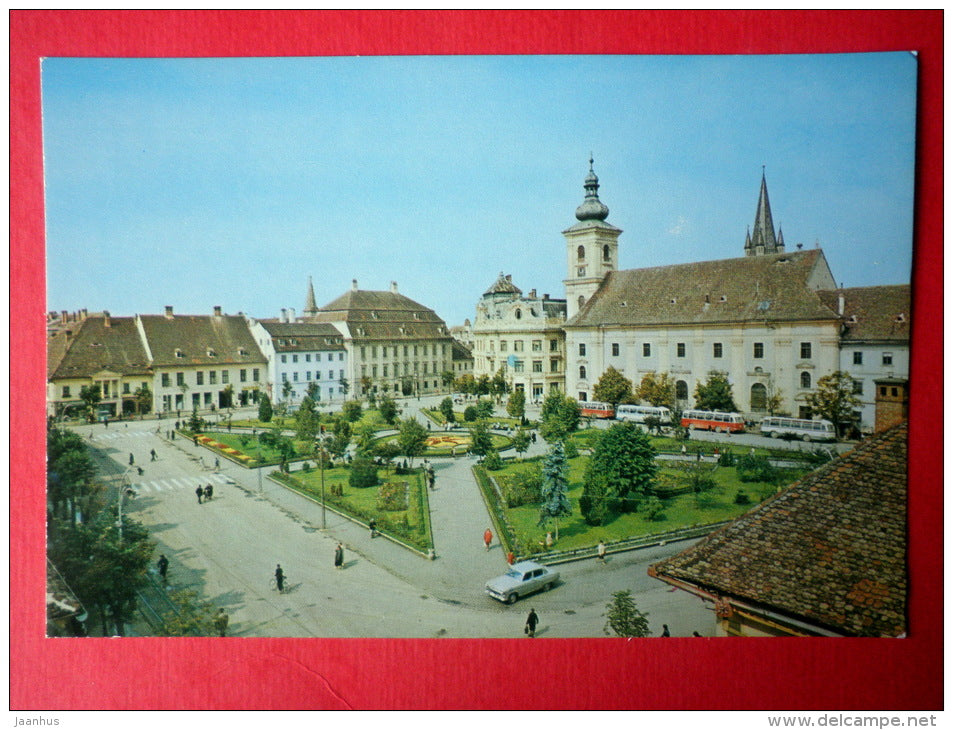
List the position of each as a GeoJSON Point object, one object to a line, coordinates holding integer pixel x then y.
{"type": "Point", "coordinates": [227, 549]}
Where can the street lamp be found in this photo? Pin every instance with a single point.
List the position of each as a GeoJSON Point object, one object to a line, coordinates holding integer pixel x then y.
{"type": "Point", "coordinates": [324, 523]}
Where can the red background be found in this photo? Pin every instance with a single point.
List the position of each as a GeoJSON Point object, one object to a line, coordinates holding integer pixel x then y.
{"type": "Point", "coordinates": [805, 674]}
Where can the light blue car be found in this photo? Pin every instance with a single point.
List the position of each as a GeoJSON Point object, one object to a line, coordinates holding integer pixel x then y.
{"type": "Point", "coordinates": [521, 580]}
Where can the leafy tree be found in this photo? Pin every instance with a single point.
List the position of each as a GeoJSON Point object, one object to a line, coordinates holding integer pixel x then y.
{"type": "Point", "coordinates": [196, 423]}
{"type": "Point", "coordinates": [104, 571]}
{"type": "Point", "coordinates": [465, 384]}
{"type": "Point", "coordinates": [715, 393]}
{"type": "Point", "coordinates": [482, 385]}
{"type": "Point", "coordinates": [492, 460]}
{"type": "Point", "coordinates": [446, 409]}
{"type": "Point", "coordinates": [229, 392]}
{"type": "Point", "coordinates": [286, 390]}
{"type": "Point", "coordinates": [306, 420]}
{"type": "Point", "coordinates": [387, 451]}
{"type": "Point", "coordinates": [657, 389]}
{"type": "Point", "coordinates": [351, 410]}
{"type": "Point", "coordinates": [364, 438]}
{"type": "Point", "coordinates": [623, 618]}
{"type": "Point", "coordinates": [312, 391]}
{"type": "Point", "coordinates": [560, 417]}
{"type": "Point", "coordinates": [265, 411]}
{"type": "Point", "coordinates": [388, 408]}
{"type": "Point", "coordinates": [363, 474]}
{"type": "Point", "coordinates": [143, 399]}
{"type": "Point", "coordinates": [594, 502]}
{"type": "Point", "coordinates": [447, 378]}
{"type": "Point", "coordinates": [412, 438]}
{"type": "Point", "coordinates": [470, 414]}
{"type": "Point", "coordinates": [69, 476]}
{"type": "Point", "coordinates": [754, 468]}
{"type": "Point", "coordinates": [624, 459]}
{"type": "Point", "coordinates": [516, 405]}
{"type": "Point", "coordinates": [337, 445]}
{"type": "Point", "coordinates": [521, 442]}
{"type": "Point", "coordinates": [365, 384]}
{"type": "Point", "coordinates": [499, 386]}
{"type": "Point", "coordinates": [834, 399]}
{"type": "Point", "coordinates": [480, 440]}
{"type": "Point", "coordinates": [555, 489]}
{"type": "Point", "coordinates": [192, 616]}
{"type": "Point", "coordinates": [484, 408]}
{"type": "Point", "coordinates": [91, 395]}
{"type": "Point", "coordinates": [774, 401]}
{"type": "Point", "coordinates": [345, 386]}
{"type": "Point", "coordinates": [612, 387]}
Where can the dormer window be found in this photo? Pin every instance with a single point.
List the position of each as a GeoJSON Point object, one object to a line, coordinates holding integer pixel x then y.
{"type": "Point", "coordinates": [901, 317]}
{"type": "Point", "coordinates": [210, 352]}
{"type": "Point", "coordinates": [723, 298]}
{"type": "Point", "coordinates": [178, 352]}
{"type": "Point", "coordinates": [242, 351]}
{"type": "Point", "coordinates": [673, 300]}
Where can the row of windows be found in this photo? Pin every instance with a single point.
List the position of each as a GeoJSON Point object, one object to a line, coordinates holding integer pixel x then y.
{"type": "Point", "coordinates": [212, 377]}
{"type": "Point", "coordinates": [307, 375]}
{"type": "Point", "coordinates": [409, 368]}
{"type": "Point", "coordinates": [581, 253]}
{"type": "Point", "coordinates": [537, 365]}
{"type": "Point", "coordinates": [104, 389]}
{"type": "Point", "coordinates": [717, 350]}
{"type": "Point", "coordinates": [535, 345]}
{"type": "Point", "coordinates": [427, 349]}
{"type": "Point", "coordinates": [886, 358]}
{"type": "Point", "coordinates": [317, 357]}
{"type": "Point", "coordinates": [804, 379]}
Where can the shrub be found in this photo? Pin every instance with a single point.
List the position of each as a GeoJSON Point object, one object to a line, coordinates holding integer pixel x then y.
{"type": "Point", "coordinates": [470, 413]}
{"type": "Point", "coordinates": [756, 469]}
{"type": "Point", "coordinates": [363, 474]}
{"type": "Point", "coordinates": [521, 487]}
{"type": "Point", "coordinates": [652, 509]}
{"type": "Point", "coordinates": [572, 451]}
{"type": "Point", "coordinates": [742, 498]}
{"type": "Point", "coordinates": [727, 459]}
{"type": "Point", "coordinates": [492, 460]}
{"type": "Point", "coordinates": [306, 467]}
{"type": "Point", "coordinates": [392, 496]}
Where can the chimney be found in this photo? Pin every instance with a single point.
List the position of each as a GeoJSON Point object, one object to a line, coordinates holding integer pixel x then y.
{"type": "Point", "coordinates": [292, 315]}
{"type": "Point", "coordinates": [106, 322]}
{"type": "Point", "coordinates": [532, 293]}
{"type": "Point", "coordinates": [218, 311]}
{"type": "Point", "coordinates": [168, 311]}
{"type": "Point", "coordinates": [63, 315]}
{"type": "Point", "coordinates": [840, 304]}
{"type": "Point", "coordinates": [284, 315]}
{"type": "Point", "coordinates": [545, 297]}
{"type": "Point", "coordinates": [69, 334]}
{"type": "Point", "coordinates": [353, 284]}
{"type": "Point", "coordinates": [393, 287]}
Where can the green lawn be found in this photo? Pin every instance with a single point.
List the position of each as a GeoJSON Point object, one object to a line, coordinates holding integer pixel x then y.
{"type": "Point", "coordinates": [680, 511]}
{"type": "Point", "coordinates": [443, 442]}
{"type": "Point", "coordinates": [411, 525]}
{"type": "Point", "coordinates": [250, 448]}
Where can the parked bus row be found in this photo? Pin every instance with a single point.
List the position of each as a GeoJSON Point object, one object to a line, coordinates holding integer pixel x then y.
{"type": "Point", "coordinates": [701, 420]}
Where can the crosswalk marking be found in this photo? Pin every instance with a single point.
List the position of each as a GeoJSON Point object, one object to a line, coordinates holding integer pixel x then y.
{"type": "Point", "coordinates": [179, 483]}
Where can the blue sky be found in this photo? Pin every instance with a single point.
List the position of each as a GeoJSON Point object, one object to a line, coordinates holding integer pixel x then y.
{"type": "Point", "coordinates": [204, 182]}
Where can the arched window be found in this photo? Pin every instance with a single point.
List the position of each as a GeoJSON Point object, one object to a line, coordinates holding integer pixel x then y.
{"type": "Point", "coordinates": [519, 314]}
{"type": "Point", "coordinates": [681, 390]}
{"type": "Point", "coordinates": [582, 372]}
{"type": "Point", "coordinates": [759, 397]}
{"type": "Point", "coordinates": [605, 252]}
{"type": "Point", "coordinates": [582, 301]}
{"type": "Point", "coordinates": [581, 253]}
{"type": "Point", "coordinates": [805, 379]}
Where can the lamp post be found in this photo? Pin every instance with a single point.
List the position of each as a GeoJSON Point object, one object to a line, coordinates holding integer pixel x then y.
{"type": "Point", "coordinates": [324, 523]}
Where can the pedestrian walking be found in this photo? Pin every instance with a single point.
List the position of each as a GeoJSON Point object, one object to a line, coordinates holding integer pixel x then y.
{"type": "Point", "coordinates": [208, 492]}
{"type": "Point", "coordinates": [139, 470]}
{"type": "Point", "coordinates": [216, 462]}
{"type": "Point", "coordinates": [684, 450]}
{"type": "Point", "coordinates": [531, 621]}
{"type": "Point", "coordinates": [199, 492]}
{"type": "Point", "coordinates": [195, 440]}
{"type": "Point", "coordinates": [373, 525]}
{"type": "Point", "coordinates": [665, 630]}
{"type": "Point", "coordinates": [280, 578]}
{"type": "Point", "coordinates": [152, 454]}
{"type": "Point", "coordinates": [601, 551]}
{"type": "Point", "coordinates": [487, 538]}
{"type": "Point", "coordinates": [221, 622]}
{"type": "Point", "coordinates": [163, 564]}
{"type": "Point", "coordinates": [132, 459]}
{"type": "Point", "coordinates": [339, 556]}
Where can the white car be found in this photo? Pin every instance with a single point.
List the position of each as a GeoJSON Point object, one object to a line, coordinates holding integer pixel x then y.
{"type": "Point", "coordinates": [521, 580]}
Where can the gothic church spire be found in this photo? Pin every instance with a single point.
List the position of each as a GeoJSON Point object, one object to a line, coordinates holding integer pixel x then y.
{"type": "Point", "coordinates": [762, 240]}
{"type": "Point", "coordinates": [310, 307]}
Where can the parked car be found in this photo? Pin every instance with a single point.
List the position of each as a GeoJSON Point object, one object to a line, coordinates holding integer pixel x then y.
{"type": "Point", "coordinates": [520, 580]}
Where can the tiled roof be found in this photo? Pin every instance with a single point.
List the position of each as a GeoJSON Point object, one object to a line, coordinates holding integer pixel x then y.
{"type": "Point", "coordinates": [303, 336]}
{"type": "Point", "coordinates": [873, 313]}
{"type": "Point", "coordinates": [771, 288]}
{"type": "Point", "coordinates": [201, 340]}
{"type": "Point", "coordinates": [830, 549]}
{"type": "Point", "coordinates": [94, 346]}
{"type": "Point", "coordinates": [383, 315]}
{"type": "Point", "coordinates": [503, 285]}
{"type": "Point", "coordinates": [460, 351]}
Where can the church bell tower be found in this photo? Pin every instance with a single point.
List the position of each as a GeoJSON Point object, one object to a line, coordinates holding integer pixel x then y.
{"type": "Point", "coordinates": [592, 247]}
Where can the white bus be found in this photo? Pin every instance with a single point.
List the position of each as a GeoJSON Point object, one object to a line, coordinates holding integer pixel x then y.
{"type": "Point", "coordinates": [638, 414]}
{"type": "Point", "coordinates": [813, 430]}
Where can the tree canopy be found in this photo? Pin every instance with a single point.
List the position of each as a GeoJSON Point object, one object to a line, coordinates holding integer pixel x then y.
{"type": "Point", "coordinates": [657, 389]}
{"type": "Point", "coordinates": [623, 618]}
{"type": "Point", "coordinates": [265, 411]}
{"type": "Point", "coordinates": [560, 417]}
{"type": "Point", "coordinates": [714, 394]}
{"type": "Point", "coordinates": [623, 461]}
{"type": "Point", "coordinates": [834, 399]}
{"type": "Point", "coordinates": [516, 405]}
{"type": "Point", "coordinates": [412, 438]}
{"type": "Point", "coordinates": [555, 487]}
{"type": "Point", "coordinates": [612, 387]}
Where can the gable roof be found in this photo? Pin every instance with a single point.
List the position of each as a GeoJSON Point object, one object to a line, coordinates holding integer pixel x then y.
{"type": "Point", "coordinates": [383, 315]}
{"type": "Point", "coordinates": [201, 339]}
{"type": "Point", "coordinates": [873, 313]}
{"type": "Point", "coordinates": [303, 336]}
{"type": "Point", "coordinates": [770, 288]}
{"type": "Point", "coordinates": [830, 549]}
{"type": "Point", "coordinates": [97, 343]}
